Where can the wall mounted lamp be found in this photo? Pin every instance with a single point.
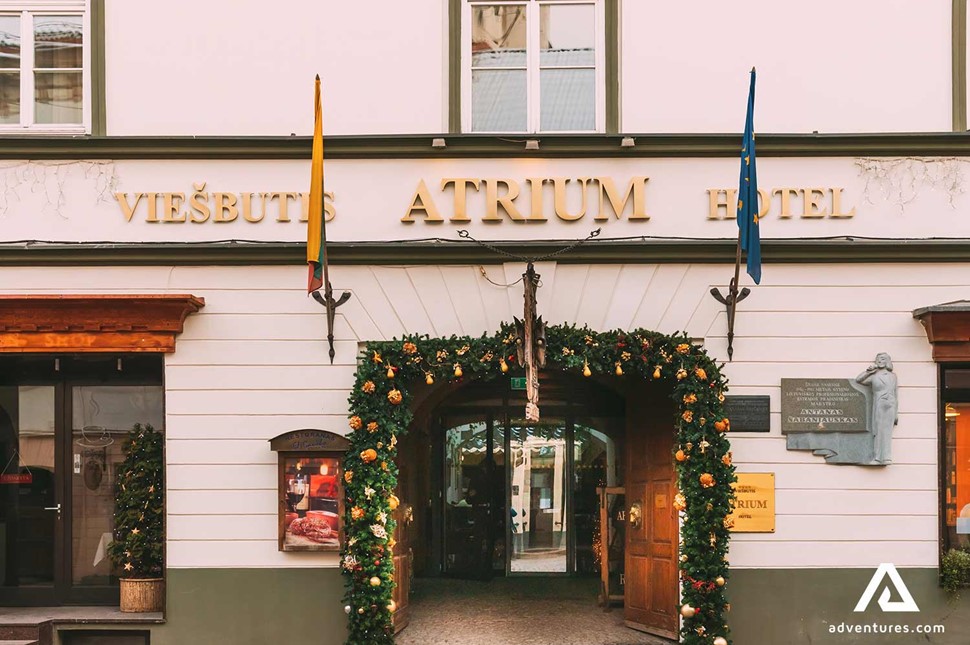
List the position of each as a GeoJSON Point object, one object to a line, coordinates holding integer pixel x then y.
{"type": "Point", "coordinates": [531, 144]}
{"type": "Point", "coordinates": [438, 142]}
{"type": "Point", "coordinates": [628, 142]}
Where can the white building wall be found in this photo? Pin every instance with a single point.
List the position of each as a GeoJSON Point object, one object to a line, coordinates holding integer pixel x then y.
{"type": "Point", "coordinates": [246, 67]}
{"type": "Point", "coordinates": [252, 364]}
{"type": "Point", "coordinates": [827, 65]}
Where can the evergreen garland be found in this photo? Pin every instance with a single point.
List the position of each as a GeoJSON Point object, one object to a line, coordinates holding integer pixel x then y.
{"type": "Point", "coordinates": [138, 546]}
{"type": "Point", "coordinates": [380, 413]}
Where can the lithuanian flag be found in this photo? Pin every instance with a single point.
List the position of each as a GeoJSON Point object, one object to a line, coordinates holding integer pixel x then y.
{"type": "Point", "coordinates": [316, 232]}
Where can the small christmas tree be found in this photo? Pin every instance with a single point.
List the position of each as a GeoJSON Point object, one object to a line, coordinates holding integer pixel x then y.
{"type": "Point", "coordinates": [138, 543]}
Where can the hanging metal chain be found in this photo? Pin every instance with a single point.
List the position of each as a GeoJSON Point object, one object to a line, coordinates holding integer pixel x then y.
{"type": "Point", "coordinates": [464, 234]}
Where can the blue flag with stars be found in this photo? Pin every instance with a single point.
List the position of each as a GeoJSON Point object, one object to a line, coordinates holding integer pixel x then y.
{"type": "Point", "coordinates": [748, 209]}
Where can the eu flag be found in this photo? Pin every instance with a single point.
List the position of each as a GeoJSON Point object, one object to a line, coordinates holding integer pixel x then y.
{"type": "Point", "coordinates": [748, 227]}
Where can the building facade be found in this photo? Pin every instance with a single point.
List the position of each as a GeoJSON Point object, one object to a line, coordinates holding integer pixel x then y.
{"type": "Point", "coordinates": [155, 169]}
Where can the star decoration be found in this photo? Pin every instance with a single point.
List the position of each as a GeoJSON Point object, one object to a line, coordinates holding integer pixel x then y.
{"type": "Point", "coordinates": [135, 531]}
{"type": "Point", "coordinates": [128, 566]}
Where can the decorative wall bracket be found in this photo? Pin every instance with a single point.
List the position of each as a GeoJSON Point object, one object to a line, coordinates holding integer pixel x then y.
{"type": "Point", "coordinates": [331, 305]}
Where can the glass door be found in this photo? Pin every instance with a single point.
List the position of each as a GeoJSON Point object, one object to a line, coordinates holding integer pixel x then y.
{"type": "Point", "coordinates": [31, 507]}
{"type": "Point", "coordinates": [539, 497]}
{"type": "Point", "coordinates": [63, 421]}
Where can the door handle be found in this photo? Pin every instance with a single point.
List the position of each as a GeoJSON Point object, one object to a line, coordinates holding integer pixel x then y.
{"type": "Point", "coordinates": [54, 508]}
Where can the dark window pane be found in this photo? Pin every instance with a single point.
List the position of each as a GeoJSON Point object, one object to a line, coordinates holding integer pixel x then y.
{"type": "Point", "coordinates": [9, 97]}
{"type": "Point", "coordinates": [568, 99]}
{"type": "Point", "coordinates": [498, 36]}
{"type": "Point", "coordinates": [58, 97]}
{"type": "Point", "coordinates": [957, 380]}
{"type": "Point", "coordinates": [9, 42]}
{"type": "Point", "coordinates": [499, 100]}
{"type": "Point", "coordinates": [57, 42]}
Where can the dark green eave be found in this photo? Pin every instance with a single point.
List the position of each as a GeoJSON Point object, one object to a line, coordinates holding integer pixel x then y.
{"type": "Point", "coordinates": [438, 251]}
{"type": "Point", "coordinates": [461, 146]}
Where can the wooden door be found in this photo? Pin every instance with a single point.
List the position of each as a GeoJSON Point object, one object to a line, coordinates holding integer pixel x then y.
{"type": "Point", "coordinates": [404, 516]}
{"type": "Point", "coordinates": [651, 588]}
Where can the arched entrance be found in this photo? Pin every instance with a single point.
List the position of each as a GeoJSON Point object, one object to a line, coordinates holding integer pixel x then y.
{"type": "Point", "coordinates": [493, 496]}
{"type": "Point", "coordinates": [394, 377]}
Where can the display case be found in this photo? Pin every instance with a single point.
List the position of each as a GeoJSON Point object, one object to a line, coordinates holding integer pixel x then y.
{"type": "Point", "coordinates": [310, 490]}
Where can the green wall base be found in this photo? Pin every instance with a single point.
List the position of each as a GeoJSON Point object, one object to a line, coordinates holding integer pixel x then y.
{"type": "Point", "coordinates": [802, 606]}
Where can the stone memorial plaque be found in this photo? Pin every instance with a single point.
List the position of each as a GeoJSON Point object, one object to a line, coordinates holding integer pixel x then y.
{"type": "Point", "coordinates": [748, 413]}
{"type": "Point", "coordinates": [822, 405]}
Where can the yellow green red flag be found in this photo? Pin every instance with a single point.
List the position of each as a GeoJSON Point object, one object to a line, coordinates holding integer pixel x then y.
{"type": "Point", "coordinates": [316, 240]}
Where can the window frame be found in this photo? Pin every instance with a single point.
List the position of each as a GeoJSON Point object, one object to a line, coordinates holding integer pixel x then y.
{"type": "Point", "coordinates": [27, 12]}
{"type": "Point", "coordinates": [533, 67]}
{"type": "Point", "coordinates": [954, 395]}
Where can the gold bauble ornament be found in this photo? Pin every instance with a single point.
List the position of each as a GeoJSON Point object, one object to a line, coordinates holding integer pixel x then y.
{"type": "Point", "coordinates": [656, 372]}
{"type": "Point", "coordinates": [356, 423]}
{"type": "Point", "coordinates": [720, 640]}
{"type": "Point", "coordinates": [395, 397]}
{"type": "Point", "coordinates": [390, 372]}
{"type": "Point", "coordinates": [375, 582]}
{"type": "Point", "coordinates": [586, 371]}
{"type": "Point", "coordinates": [458, 371]}
{"type": "Point", "coordinates": [680, 455]}
{"type": "Point", "coordinates": [700, 373]}
{"type": "Point", "coordinates": [687, 611]}
{"type": "Point", "coordinates": [619, 369]}
{"type": "Point", "coordinates": [719, 581]}
{"type": "Point", "coordinates": [429, 379]}
{"type": "Point", "coordinates": [392, 606]}
{"type": "Point", "coordinates": [393, 502]}
{"type": "Point", "coordinates": [683, 558]}
{"type": "Point", "coordinates": [681, 374]}
{"type": "Point", "coordinates": [707, 480]}
{"type": "Point", "coordinates": [503, 366]}
{"type": "Point", "coordinates": [368, 455]}
{"type": "Point", "coordinates": [680, 502]}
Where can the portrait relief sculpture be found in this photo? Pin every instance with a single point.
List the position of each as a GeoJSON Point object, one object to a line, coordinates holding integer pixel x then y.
{"type": "Point", "coordinates": [881, 381]}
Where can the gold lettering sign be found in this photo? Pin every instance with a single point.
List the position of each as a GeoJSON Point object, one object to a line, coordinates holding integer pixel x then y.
{"type": "Point", "coordinates": [810, 202]}
{"type": "Point", "coordinates": [201, 206]}
{"type": "Point", "coordinates": [754, 504]}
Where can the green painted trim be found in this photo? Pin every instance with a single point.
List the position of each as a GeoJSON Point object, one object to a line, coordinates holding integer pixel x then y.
{"type": "Point", "coordinates": [612, 55]}
{"type": "Point", "coordinates": [454, 66]}
{"type": "Point", "coordinates": [418, 146]}
{"type": "Point", "coordinates": [958, 28]}
{"type": "Point", "coordinates": [99, 127]}
{"type": "Point", "coordinates": [452, 251]}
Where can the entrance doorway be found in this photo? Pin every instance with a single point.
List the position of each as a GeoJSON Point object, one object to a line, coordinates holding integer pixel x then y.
{"type": "Point", "coordinates": [492, 496]}
{"type": "Point", "coordinates": [63, 420]}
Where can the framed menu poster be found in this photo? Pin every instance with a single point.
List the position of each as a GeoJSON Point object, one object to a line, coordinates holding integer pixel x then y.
{"type": "Point", "coordinates": [310, 490]}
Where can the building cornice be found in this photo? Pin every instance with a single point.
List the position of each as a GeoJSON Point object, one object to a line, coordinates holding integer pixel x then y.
{"type": "Point", "coordinates": [485, 146]}
{"type": "Point", "coordinates": [437, 251]}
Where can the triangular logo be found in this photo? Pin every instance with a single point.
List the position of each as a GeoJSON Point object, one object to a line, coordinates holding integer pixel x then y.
{"type": "Point", "coordinates": [906, 604]}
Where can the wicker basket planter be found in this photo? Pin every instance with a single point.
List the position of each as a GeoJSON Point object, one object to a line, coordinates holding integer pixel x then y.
{"type": "Point", "coordinates": [140, 595]}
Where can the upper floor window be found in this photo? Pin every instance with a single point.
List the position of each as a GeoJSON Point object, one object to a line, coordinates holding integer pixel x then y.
{"type": "Point", "coordinates": [44, 66]}
{"type": "Point", "coordinates": [533, 66]}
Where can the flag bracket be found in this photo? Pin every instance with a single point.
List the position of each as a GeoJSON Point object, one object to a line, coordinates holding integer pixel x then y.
{"type": "Point", "coordinates": [730, 301]}
{"type": "Point", "coordinates": [327, 300]}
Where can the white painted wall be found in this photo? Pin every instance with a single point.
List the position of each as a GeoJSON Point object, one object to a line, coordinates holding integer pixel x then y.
{"type": "Point", "coordinates": [252, 364]}
{"type": "Point", "coordinates": [246, 67]}
{"type": "Point", "coordinates": [827, 65]}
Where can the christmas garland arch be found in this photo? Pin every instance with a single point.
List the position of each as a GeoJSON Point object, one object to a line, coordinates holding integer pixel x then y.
{"type": "Point", "coordinates": [380, 414]}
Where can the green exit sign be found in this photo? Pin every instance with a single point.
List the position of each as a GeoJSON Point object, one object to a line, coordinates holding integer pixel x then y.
{"type": "Point", "coordinates": [518, 382]}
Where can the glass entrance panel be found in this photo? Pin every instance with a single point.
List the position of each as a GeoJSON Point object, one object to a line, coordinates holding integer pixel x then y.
{"type": "Point", "coordinates": [538, 505]}
{"type": "Point", "coordinates": [467, 498]}
{"type": "Point", "coordinates": [102, 416]}
{"type": "Point", "coordinates": [29, 509]}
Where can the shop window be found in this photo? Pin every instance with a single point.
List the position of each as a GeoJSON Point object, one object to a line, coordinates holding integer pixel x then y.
{"type": "Point", "coordinates": [45, 66]}
{"type": "Point", "coordinates": [533, 66]}
{"type": "Point", "coordinates": [956, 458]}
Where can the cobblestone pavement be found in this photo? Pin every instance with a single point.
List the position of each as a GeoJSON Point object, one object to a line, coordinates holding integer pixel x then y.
{"type": "Point", "coordinates": [515, 611]}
